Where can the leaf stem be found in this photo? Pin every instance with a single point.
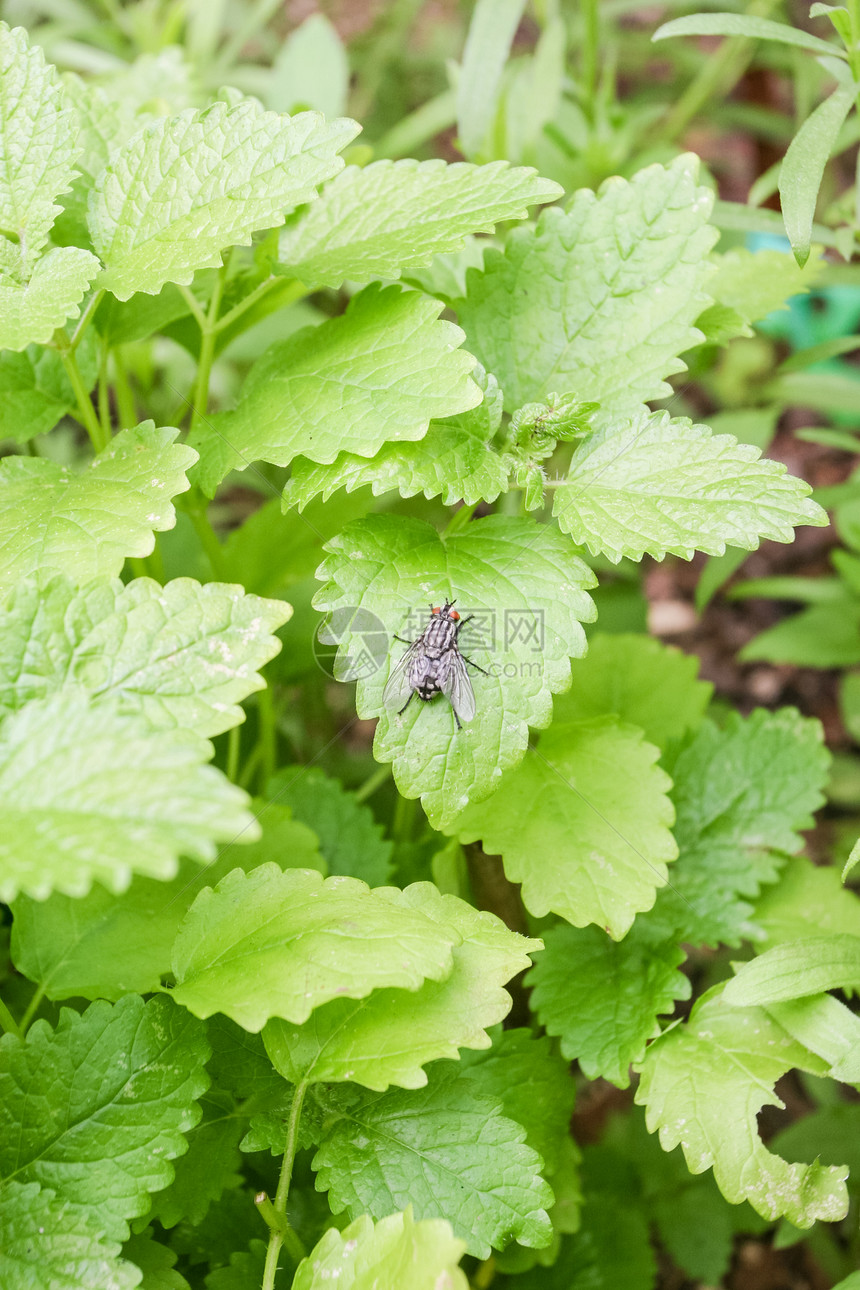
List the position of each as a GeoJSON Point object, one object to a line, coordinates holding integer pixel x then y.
{"type": "Point", "coordinates": [86, 318]}
{"type": "Point", "coordinates": [262, 289]}
{"type": "Point", "coordinates": [8, 1022]}
{"type": "Point", "coordinates": [197, 508]}
{"type": "Point", "coordinates": [590, 48]}
{"type": "Point", "coordinates": [125, 404]}
{"type": "Point", "coordinates": [90, 421]}
{"type": "Point", "coordinates": [32, 1008]}
{"type": "Point", "coordinates": [234, 740]}
{"type": "Point", "coordinates": [258, 17]}
{"type": "Point", "coordinates": [275, 1213]}
{"type": "Point", "coordinates": [194, 305]}
{"type": "Point", "coordinates": [379, 777]}
{"type": "Point", "coordinates": [249, 770]}
{"type": "Point", "coordinates": [717, 76]}
{"type": "Point", "coordinates": [459, 519]}
{"type": "Point", "coordinates": [267, 736]}
{"type": "Point", "coordinates": [208, 332]}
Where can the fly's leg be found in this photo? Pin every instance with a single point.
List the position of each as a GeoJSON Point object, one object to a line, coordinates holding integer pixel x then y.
{"type": "Point", "coordinates": [456, 718]}
{"type": "Point", "coordinates": [403, 640]}
{"type": "Point", "coordinates": [475, 665]}
{"type": "Point", "coordinates": [406, 704]}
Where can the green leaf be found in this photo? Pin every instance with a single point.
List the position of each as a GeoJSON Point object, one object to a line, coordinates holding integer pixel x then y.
{"type": "Point", "coordinates": [808, 899]}
{"type": "Point", "coordinates": [33, 310]}
{"type": "Point", "coordinates": [85, 524]}
{"type": "Point", "coordinates": [822, 636]}
{"type": "Point", "coordinates": [382, 371]}
{"type": "Point", "coordinates": [186, 186]}
{"type": "Point", "coordinates": [205, 1171]}
{"type": "Point", "coordinates": [527, 592]}
{"type": "Point", "coordinates": [453, 461]}
{"type": "Point", "coordinates": [534, 1086]}
{"type": "Point", "coordinates": [91, 794]}
{"type": "Point", "coordinates": [602, 998]}
{"type": "Point", "coordinates": [350, 838]}
{"type": "Point", "coordinates": [245, 1270]}
{"type": "Point", "coordinates": [447, 1149]}
{"type": "Point", "coordinates": [311, 70]}
{"type": "Point", "coordinates": [445, 276]}
{"type": "Point", "coordinates": [156, 1262]}
{"type": "Point", "coordinates": [828, 1134]}
{"type": "Point", "coordinates": [582, 824]}
{"type": "Point", "coordinates": [796, 969]}
{"type": "Point", "coordinates": [394, 215]}
{"type": "Point", "coordinates": [630, 261]}
{"type": "Point", "coordinates": [35, 391]}
{"type": "Point", "coordinates": [98, 1107]}
{"type": "Point", "coordinates": [388, 1036]}
{"type": "Point", "coordinates": [639, 680]}
{"type": "Point", "coordinates": [827, 1028]}
{"type": "Point", "coordinates": [382, 1254]}
{"type": "Point", "coordinates": [736, 24]}
{"type": "Point", "coordinates": [703, 1084]}
{"type": "Point", "coordinates": [662, 485]}
{"type": "Point", "coordinates": [183, 655]}
{"type": "Point", "coordinates": [742, 796]}
{"type": "Point", "coordinates": [49, 1244]}
{"type": "Point", "coordinates": [39, 144]}
{"type": "Point", "coordinates": [102, 946]}
{"type": "Point", "coordinates": [491, 32]}
{"type": "Point", "coordinates": [803, 167]}
{"type": "Point", "coordinates": [754, 283]}
{"type": "Point", "coordinates": [281, 944]}
{"type": "Point", "coordinates": [611, 1249]}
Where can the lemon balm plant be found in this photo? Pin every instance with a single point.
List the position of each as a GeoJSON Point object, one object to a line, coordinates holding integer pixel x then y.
{"type": "Point", "coordinates": [246, 1043]}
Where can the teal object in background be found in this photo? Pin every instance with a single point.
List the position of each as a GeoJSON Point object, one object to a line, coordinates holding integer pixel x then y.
{"type": "Point", "coordinates": [822, 314]}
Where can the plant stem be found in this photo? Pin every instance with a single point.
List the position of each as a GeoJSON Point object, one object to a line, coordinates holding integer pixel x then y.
{"type": "Point", "coordinates": [853, 51]}
{"type": "Point", "coordinates": [194, 305]}
{"type": "Point", "coordinates": [459, 519]}
{"type": "Point", "coordinates": [208, 331]}
{"type": "Point", "coordinates": [267, 736]}
{"type": "Point", "coordinates": [8, 1022]}
{"type": "Point", "coordinates": [103, 399]}
{"type": "Point", "coordinates": [249, 770]}
{"type": "Point", "coordinates": [379, 777]}
{"type": "Point", "coordinates": [404, 819]}
{"type": "Point", "coordinates": [280, 1232]}
{"type": "Point", "coordinates": [32, 1008]}
{"type": "Point", "coordinates": [430, 119]}
{"type": "Point", "coordinates": [590, 48]}
{"type": "Point", "coordinates": [257, 18]}
{"type": "Point", "coordinates": [233, 744]}
{"type": "Point", "coordinates": [197, 508]}
{"type": "Point", "coordinates": [89, 419]}
{"type": "Point", "coordinates": [125, 404]}
{"type": "Point", "coordinates": [257, 294]}
{"type": "Point", "coordinates": [85, 319]}
{"type": "Point", "coordinates": [716, 78]}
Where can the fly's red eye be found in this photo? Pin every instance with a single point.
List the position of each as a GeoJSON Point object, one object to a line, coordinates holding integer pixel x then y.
{"type": "Point", "coordinates": [454, 614]}
{"type": "Point", "coordinates": [436, 610]}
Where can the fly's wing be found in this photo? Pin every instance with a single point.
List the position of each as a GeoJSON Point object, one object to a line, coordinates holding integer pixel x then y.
{"type": "Point", "coordinates": [399, 687]}
{"type": "Point", "coordinates": [456, 686]}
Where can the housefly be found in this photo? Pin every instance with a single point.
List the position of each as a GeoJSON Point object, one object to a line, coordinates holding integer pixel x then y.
{"type": "Point", "coordinates": [434, 665]}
